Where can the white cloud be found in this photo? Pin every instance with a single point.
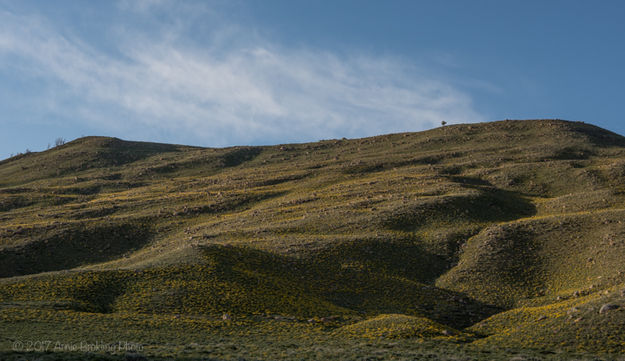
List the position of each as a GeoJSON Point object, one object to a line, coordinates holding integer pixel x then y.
{"type": "Point", "coordinates": [250, 92]}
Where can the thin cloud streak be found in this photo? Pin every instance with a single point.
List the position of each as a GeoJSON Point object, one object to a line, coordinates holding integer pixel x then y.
{"type": "Point", "coordinates": [214, 95]}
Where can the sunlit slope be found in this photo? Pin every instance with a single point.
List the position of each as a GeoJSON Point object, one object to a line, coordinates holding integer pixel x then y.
{"type": "Point", "coordinates": [450, 225]}
{"type": "Point", "coordinates": [591, 320]}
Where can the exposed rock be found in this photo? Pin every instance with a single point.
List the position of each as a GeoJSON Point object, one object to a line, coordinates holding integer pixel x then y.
{"type": "Point", "coordinates": [573, 310]}
{"type": "Point", "coordinates": [329, 318]}
{"type": "Point", "coordinates": [608, 307]}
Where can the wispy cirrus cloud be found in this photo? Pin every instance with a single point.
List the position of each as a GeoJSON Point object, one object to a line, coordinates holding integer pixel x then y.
{"type": "Point", "coordinates": [226, 89]}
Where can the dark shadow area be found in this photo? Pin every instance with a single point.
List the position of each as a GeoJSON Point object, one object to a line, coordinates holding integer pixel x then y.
{"type": "Point", "coordinates": [14, 202]}
{"type": "Point", "coordinates": [470, 181]}
{"type": "Point", "coordinates": [116, 152]}
{"type": "Point", "coordinates": [378, 165]}
{"type": "Point", "coordinates": [488, 204]}
{"type": "Point", "coordinates": [572, 153]}
{"type": "Point", "coordinates": [240, 155]}
{"type": "Point", "coordinates": [369, 277]}
{"type": "Point", "coordinates": [94, 291]}
{"type": "Point", "coordinates": [74, 246]}
{"type": "Point", "coordinates": [597, 136]}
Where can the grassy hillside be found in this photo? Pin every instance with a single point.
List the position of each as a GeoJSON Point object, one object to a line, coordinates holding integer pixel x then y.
{"type": "Point", "coordinates": [465, 239]}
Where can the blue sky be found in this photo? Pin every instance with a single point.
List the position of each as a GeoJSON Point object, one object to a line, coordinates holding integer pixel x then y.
{"type": "Point", "coordinates": [230, 72]}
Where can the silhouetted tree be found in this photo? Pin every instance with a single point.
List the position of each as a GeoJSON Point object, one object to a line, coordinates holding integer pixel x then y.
{"type": "Point", "coordinates": [59, 141]}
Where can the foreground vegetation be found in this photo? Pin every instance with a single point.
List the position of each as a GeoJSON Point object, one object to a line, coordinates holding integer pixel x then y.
{"type": "Point", "coordinates": [123, 336]}
{"type": "Point", "coordinates": [482, 241]}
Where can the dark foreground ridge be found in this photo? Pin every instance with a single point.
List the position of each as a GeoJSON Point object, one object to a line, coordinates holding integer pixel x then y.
{"type": "Point", "coordinates": [478, 241]}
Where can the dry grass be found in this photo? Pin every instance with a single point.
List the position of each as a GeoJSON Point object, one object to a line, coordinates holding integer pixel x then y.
{"type": "Point", "coordinates": [444, 229]}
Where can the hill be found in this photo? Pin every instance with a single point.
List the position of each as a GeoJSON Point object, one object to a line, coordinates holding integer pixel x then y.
{"type": "Point", "coordinates": [484, 236]}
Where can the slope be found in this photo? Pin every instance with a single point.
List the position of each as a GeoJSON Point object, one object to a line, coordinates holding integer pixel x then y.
{"type": "Point", "coordinates": [453, 225]}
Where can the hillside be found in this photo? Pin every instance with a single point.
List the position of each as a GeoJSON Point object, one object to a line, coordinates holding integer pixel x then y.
{"type": "Point", "coordinates": [484, 236]}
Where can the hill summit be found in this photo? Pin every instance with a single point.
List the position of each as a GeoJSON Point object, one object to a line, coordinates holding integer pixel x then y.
{"type": "Point", "coordinates": [499, 234]}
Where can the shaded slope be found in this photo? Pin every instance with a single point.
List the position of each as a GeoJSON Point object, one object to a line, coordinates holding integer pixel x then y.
{"type": "Point", "coordinates": [241, 281]}
{"type": "Point", "coordinates": [79, 243]}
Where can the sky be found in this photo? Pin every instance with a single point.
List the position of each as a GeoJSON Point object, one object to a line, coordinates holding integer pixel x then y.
{"type": "Point", "coordinates": [231, 72]}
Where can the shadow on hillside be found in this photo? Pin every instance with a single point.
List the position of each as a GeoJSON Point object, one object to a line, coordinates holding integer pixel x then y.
{"type": "Point", "coordinates": [370, 276]}
{"type": "Point", "coordinates": [73, 247]}
{"type": "Point", "coordinates": [239, 155]}
{"type": "Point", "coordinates": [481, 203]}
